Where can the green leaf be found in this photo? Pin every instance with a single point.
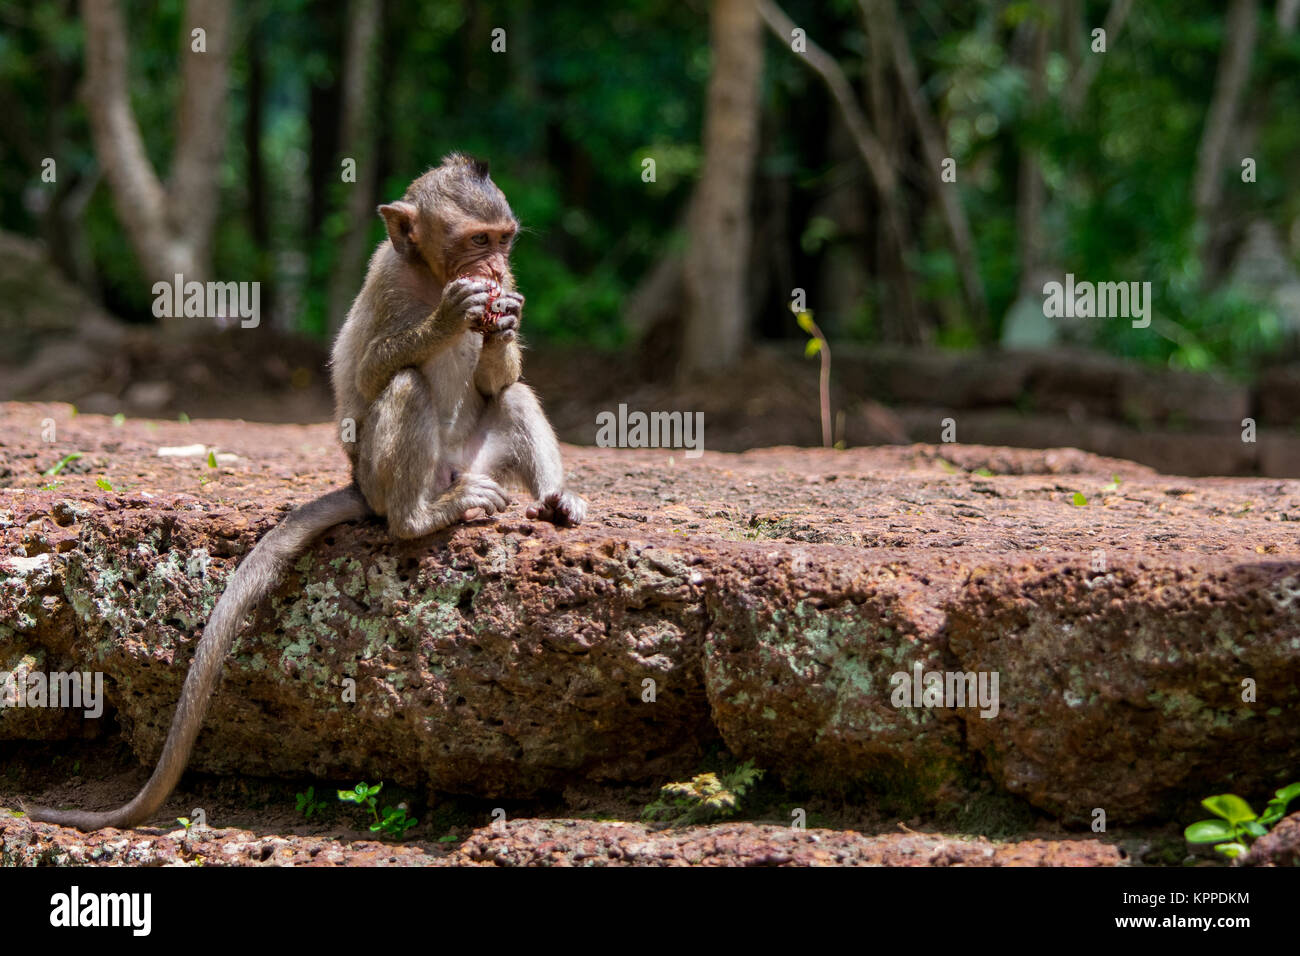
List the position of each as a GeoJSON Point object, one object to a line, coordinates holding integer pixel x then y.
{"type": "Point", "coordinates": [805, 322]}
{"type": "Point", "coordinates": [983, 472]}
{"type": "Point", "coordinates": [119, 419]}
{"type": "Point", "coordinates": [1287, 794]}
{"type": "Point", "coordinates": [103, 484]}
{"type": "Point", "coordinates": [1079, 500]}
{"type": "Point", "coordinates": [62, 462]}
{"type": "Point", "coordinates": [1232, 850]}
{"type": "Point", "coordinates": [1208, 831]}
{"type": "Point", "coordinates": [812, 348]}
{"type": "Point", "coordinates": [212, 459]}
{"type": "Point", "coordinates": [1255, 829]}
{"type": "Point", "coordinates": [1229, 806]}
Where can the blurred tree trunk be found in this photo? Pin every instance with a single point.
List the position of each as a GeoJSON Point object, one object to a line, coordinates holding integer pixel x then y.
{"type": "Point", "coordinates": [1240, 28]}
{"type": "Point", "coordinates": [324, 107]}
{"type": "Point", "coordinates": [169, 226]}
{"type": "Point", "coordinates": [357, 135]}
{"type": "Point", "coordinates": [884, 14]}
{"type": "Point", "coordinates": [259, 213]}
{"type": "Point", "coordinates": [1288, 14]}
{"type": "Point", "coordinates": [1030, 189]}
{"type": "Point", "coordinates": [902, 323]}
{"type": "Point", "coordinates": [717, 312]}
{"type": "Point", "coordinates": [898, 314]}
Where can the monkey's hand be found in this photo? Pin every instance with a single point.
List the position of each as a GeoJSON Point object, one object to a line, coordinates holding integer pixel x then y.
{"type": "Point", "coordinates": [464, 303]}
{"type": "Point", "coordinates": [562, 508]}
{"type": "Point", "coordinates": [501, 319]}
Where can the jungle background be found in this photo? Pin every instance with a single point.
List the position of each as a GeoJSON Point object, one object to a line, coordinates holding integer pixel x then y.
{"type": "Point", "coordinates": [918, 170]}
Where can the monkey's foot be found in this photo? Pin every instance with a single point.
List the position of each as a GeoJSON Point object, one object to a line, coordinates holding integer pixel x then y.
{"type": "Point", "coordinates": [478, 495]}
{"type": "Point", "coordinates": [562, 508]}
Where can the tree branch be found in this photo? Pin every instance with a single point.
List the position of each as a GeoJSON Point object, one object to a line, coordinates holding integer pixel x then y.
{"type": "Point", "coordinates": [137, 193]}
{"type": "Point", "coordinates": [932, 146]}
{"type": "Point", "coordinates": [192, 189]}
{"type": "Point", "coordinates": [1229, 85]}
{"type": "Point", "coordinates": [824, 65]}
{"type": "Point", "coordinates": [1076, 94]}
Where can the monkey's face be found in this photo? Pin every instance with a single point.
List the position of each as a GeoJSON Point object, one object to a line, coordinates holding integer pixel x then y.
{"type": "Point", "coordinates": [477, 248]}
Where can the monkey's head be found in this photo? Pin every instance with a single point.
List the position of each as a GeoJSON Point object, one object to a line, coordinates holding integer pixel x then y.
{"type": "Point", "coordinates": [454, 221]}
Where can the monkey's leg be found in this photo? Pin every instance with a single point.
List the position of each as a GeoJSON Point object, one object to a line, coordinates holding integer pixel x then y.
{"type": "Point", "coordinates": [515, 442]}
{"type": "Point", "coordinates": [400, 468]}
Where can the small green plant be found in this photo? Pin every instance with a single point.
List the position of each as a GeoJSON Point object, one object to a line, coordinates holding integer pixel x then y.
{"type": "Point", "coordinates": [308, 805]}
{"type": "Point", "coordinates": [62, 464]}
{"type": "Point", "coordinates": [186, 822]}
{"type": "Point", "coordinates": [104, 484]}
{"type": "Point", "coordinates": [394, 820]}
{"type": "Point", "coordinates": [1080, 500]}
{"type": "Point", "coordinates": [212, 458]}
{"type": "Point", "coordinates": [704, 797]}
{"type": "Point", "coordinates": [1238, 823]}
{"type": "Point", "coordinates": [817, 345]}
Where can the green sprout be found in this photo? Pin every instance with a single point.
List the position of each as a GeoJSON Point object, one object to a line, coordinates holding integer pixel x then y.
{"type": "Point", "coordinates": [816, 345]}
{"type": "Point", "coordinates": [704, 797]}
{"type": "Point", "coordinates": [1238, 823]}
{"type": "Point", "coordinates": [308, 804]}
{"type": "Point", "coordinates": [394, 821]}
{"type": "Point", "coordinates": [62, 463]}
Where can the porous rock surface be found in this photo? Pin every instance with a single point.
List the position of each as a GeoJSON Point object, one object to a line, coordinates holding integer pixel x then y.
{"type": "Point", "coordinates": [1146, 642]}
{"type": "Point", "coordinates": [540, 843]}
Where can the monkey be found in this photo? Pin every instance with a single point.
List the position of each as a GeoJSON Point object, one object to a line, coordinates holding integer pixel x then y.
{"type": "Point", "coordinates": [426, 372]}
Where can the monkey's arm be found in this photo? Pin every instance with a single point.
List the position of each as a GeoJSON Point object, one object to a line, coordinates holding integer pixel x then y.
{"type": "Point", "coordinates": [499, 363]}
{"type": "Point", "coordinates": [464, 302]}
{"type": "Point", "coordinates": [410, 346]}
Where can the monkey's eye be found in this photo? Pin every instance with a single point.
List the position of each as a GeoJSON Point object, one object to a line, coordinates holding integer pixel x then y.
{"type": "Point", "coordinates": [481, 239]}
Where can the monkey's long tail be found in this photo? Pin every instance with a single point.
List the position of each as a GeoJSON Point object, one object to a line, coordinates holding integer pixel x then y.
{"type": "Point", "coordinates": [253, 579]}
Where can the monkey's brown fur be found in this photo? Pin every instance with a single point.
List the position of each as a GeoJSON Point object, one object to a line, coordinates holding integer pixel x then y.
{"type": "Point", "coordinates": [427, 378]}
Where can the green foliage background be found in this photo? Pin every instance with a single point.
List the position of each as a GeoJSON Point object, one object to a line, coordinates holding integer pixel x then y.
{"type": "Point", "coordinates": [586, 93]}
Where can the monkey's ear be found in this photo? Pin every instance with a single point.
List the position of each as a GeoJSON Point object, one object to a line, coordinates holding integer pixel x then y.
{"type": "Point", "coordinates": [400, 218]}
